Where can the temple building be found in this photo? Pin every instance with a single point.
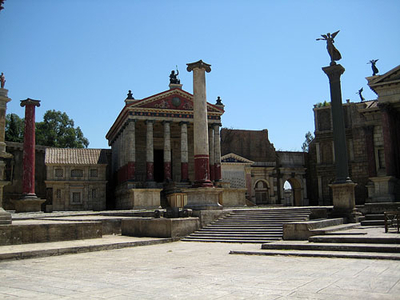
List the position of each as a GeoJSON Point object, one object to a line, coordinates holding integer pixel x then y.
{"type": "Point", "coordinates": [152, 142]}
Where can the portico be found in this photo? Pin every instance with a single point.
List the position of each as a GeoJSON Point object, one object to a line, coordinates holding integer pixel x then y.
{"type": "Point", "coordinates": [152, 143]}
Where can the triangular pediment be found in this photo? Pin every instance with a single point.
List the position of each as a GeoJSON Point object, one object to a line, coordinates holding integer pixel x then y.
{"type": "Point", "coordinates": [390, 77]}
{"type": "Point", "coordinates": [234, 158]}
{"type": "Point", "coordinates": [174, 99]}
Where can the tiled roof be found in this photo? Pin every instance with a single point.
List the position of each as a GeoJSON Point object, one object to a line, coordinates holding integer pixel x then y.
{"type": "Point", "coordinates": [69, 156]}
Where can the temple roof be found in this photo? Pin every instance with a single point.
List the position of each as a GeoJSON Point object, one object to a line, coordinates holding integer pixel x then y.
{"type": "Point", "coordinates": [75, 156]}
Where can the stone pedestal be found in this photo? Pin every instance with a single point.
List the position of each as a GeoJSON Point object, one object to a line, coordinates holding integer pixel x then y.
{"type": "Point", "coordinates": [5, 217]}
{"type": "Point", "coordinates": [28, 204]}
{"type": "Point", "coordinates": [344, 201]}
{"type": "Point", "coordinates": [383, 189]}
{"type": "Point", "coordinates": [204, 198]}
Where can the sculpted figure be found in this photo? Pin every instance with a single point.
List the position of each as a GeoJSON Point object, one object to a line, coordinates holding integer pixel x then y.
{"type": "Point", "coordinates": [2, 80]}
{"type": "Point", "coordinates": [332, 51]}
{"type": "Point", "coordinates": [373, 66]}
{"type": "Point", "coordinates": [359, 94]}
{"type": "Point", "coordinates": [173, 77]}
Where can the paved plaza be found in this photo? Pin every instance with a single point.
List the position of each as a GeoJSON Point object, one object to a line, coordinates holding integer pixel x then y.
{"type": "Point", "coordinates": [191, 270]}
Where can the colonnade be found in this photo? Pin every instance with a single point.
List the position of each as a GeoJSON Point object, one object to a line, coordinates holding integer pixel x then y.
{"type": "Point", "coordinates": [124, 151]}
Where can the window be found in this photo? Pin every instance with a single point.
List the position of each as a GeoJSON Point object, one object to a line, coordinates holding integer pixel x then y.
{"type": "Point", "coordinates": [381, 159]}
{"type": "Point", "coordinates": [76, 197]}
{"type": "Point", "coordinates": [58, 173]}
{"type": "Point", "coordinates": [94, 194]}
{"type": "Point", "coordinates": [94, 173]}
{"type": "Point", "coordinates": [76, 173]}
{"type": "Point", "coordinates": [58, 194]}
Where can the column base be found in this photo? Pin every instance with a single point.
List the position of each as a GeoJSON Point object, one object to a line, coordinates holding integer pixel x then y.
{"type": "Point", "coordinates": [203, 198]}
{"type": "Point", "coordinates": [383, 189]}
{"type": "Point", "coordinates": [5, 217]}
{"type": "Point", "coordinates": [344, 203]}
{"type": "Point", "coordinates": [28, 203]}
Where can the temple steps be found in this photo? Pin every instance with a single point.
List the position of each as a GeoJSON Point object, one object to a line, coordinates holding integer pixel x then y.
{"type": "Point", "coordinates": [249, 226]}
{"type": "Point", "coordinates": [373, 220]}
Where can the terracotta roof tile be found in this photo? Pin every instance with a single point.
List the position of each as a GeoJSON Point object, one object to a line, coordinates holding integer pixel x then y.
{"type": "Point", "coordinates": [74, 156]}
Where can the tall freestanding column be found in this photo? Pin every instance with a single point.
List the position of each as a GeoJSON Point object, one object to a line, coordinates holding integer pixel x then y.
{"type": "Point", "coordinates": [5, 217]}
{"type": "Point", "coordinates": [29, 201]}
{"type": "Point", "coordinates": [200, 124]}
{"type": "Point", "coordinates": [28, 176]}
{"type": "Point", "coordinates": [343, 188]}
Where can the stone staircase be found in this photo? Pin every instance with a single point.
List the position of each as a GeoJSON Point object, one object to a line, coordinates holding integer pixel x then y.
{"type": "Point", "coordinates": [249, 226]}
{"type": "Point", "coordinates": [356, 245]}
{"type": "Point", "coordinates": [373, 220]}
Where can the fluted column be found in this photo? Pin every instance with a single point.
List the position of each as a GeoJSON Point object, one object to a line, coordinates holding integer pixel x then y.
{"type": "Point", "coordinates": [149, 151]}
{"type": "Point", "coordinates": [217, 156]}
{"type": "Point", "coordinates": [28, 176]}
{"type": "Point", "coordinates": [131, 149]}
{"type": "Point", "coordinates": [200, 125]}
{"type": "Point", "coordinates": [167, 150]}
{"type": "Point", "coordinates": [212, 152]}
{"type": "Point", "coordinates": [184, 153]}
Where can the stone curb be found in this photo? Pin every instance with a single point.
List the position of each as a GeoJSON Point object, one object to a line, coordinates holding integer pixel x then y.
{"type": "Point", "coordinates": [79, 249]}
{"type": "Point", "coordinates": [321, 254]}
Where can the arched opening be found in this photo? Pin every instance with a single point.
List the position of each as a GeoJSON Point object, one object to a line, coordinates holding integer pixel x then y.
{"type": "Point", "coordinates": [262, 192]}
{"type": "Point", "coordinates": [292, 192]}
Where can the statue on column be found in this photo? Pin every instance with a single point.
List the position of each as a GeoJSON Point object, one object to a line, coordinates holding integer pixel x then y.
{"type": "Point", "coordinates": [332, 51]}
{"type": "Point", "coordinates": [2, 80]}
{"type": "Point", "coordinates": [373, 66]}
{"type": "Point", "coordinates": [173, 78]}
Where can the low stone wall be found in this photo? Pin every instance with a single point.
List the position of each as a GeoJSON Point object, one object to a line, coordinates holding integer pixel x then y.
{"type": "Point", "coordinates": [233, 197]}
{"type": "Point", "coordinates": [136, 198]}
{"type": "Point", "coordinates": [48, 232]}
{"type": "Point", "coordinates": [303, 230]}
{"type": "Point", "coordinates": [159, 227]}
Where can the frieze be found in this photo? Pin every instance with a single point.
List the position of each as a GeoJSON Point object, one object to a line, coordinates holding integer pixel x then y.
{"type": "Point", "coordinates": [168, 115]}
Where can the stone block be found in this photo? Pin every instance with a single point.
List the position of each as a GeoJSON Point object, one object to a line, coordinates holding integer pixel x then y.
{"type": "Point", "coordinates": [233, 197]}
{"type": "Point", "coordinates": [159, 227]}
{"type": "Point", "coordinates": [303, 230]}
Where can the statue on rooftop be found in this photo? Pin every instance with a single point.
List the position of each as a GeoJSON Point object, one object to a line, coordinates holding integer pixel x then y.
{"type": "Point", "coordinates": [2, 80]}
{"type": "Point", "coordinates": [173, 78]}
{"type": "Point", "coordinates": [332, 51]}
{"type": "Point", "coordinates": [359, 94]}
{"type": "Point", "coordinates": [373, 66]}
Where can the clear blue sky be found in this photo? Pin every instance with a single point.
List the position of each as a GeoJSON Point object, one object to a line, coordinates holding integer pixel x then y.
{"type": "Point", "coordinates": [82, 56]}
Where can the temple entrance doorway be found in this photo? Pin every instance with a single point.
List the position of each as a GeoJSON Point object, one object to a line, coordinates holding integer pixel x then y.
{"type": "Point", "coordinates": [158, 165]}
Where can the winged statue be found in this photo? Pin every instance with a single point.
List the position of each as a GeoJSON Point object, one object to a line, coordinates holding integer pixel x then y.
{"type": "Point", "coordinates": [332, 51]}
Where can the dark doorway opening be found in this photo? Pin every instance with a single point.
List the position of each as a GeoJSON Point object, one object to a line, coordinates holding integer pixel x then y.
{"type": "Point", "coordinates": [158, 165]}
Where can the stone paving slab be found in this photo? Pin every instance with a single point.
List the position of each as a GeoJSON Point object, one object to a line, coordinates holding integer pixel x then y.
{"type": "Point", "coordinates": [183, 270]}
{"type": "Point", "coordinates": [107, 242]}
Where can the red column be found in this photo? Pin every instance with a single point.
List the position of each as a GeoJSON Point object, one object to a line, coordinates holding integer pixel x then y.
{"type": "Point", "coordinates": [387, 129]}
{"type": "Point", "coordinates": [28, 176]}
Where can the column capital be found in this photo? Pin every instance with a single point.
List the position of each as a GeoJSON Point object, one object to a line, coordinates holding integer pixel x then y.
{"type": "Point", "coordinates": [200, 65]}
{"type": "Point", "coordinates": [149, 121]}
{"type": "Point", "coordinates": [166, 122]}
{"type": "Point", "coordinates": [216, 124]}
{"type": "Point", "coordinates": [183, 123]}
{"type": "Point", "coordinates": [334, 72]}
{"type": "Point", "coordinates": [29, 101]}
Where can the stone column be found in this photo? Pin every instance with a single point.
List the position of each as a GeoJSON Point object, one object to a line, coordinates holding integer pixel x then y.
{"type": "Point", "coordinates": [388, 134]}
{"type": "Point", "coordinates": [5, 217]}
{"type": "Point", "coordinates": [149, 151]}
{"type": "Point", "coordinates": [184, 153]}
{"type": "Point", "coordinates": [28, 176]}
{"type": "Point", "coordinates": [201, 151]}
{"type": "Point", "coordinates": [212, 151]}
{"type": "Point", "coordinates": [369, 140]}
{"type": "Point", "coordinates": [217, 156]}
{"type": "Point", "coordinates": [131, 149]}
{"type": "Point", "coordinates": [167, 150]}
{"type": "Point", "coordinates": [343, 188]}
